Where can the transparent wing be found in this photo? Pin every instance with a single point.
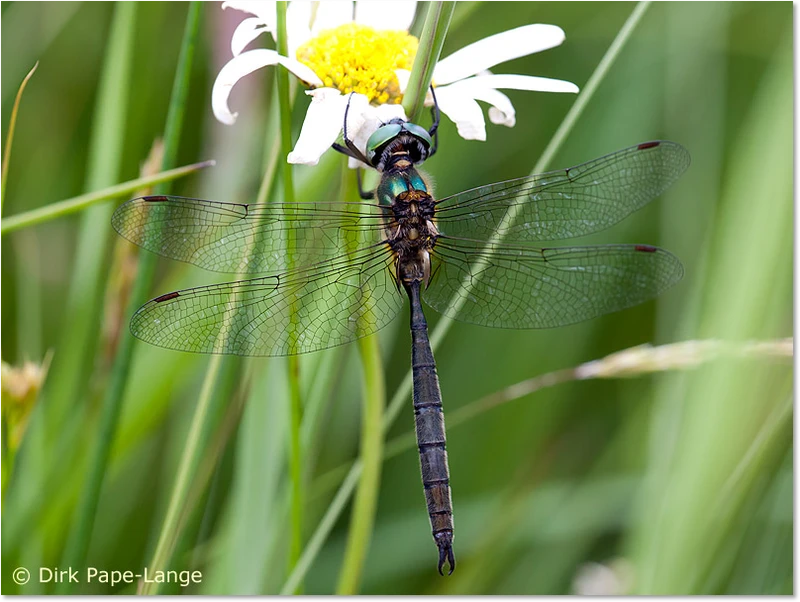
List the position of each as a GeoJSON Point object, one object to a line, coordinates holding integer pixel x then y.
{"type": "Point", "coordinates": [303, 310]}
{"type": "Point", "coordinates": [515, 287]}
{"type": "Point", "coordinates": [567, 203]}
{"type": "Point", "coordinates": [228, 237]}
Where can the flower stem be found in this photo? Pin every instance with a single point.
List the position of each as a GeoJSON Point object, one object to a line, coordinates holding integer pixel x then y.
{"type": "Point", "coordinates": [272, 153]}
{"type": "Point", "coordinates": [371, 454]}
{"type": "Point", "coordinates": [284, 103]}
{"type": "Point", "coordinates": [79, 203]}
{"type": "Point", "coordinates": [362, 520]}
{"type": "Point", "coordinates": [434, 32]}
{"type": "Point", "coordinates": [296, 464]}
{"type": "Point", "coordinates": [296, 404]}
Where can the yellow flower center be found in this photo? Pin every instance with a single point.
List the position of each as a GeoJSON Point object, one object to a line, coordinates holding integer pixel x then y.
{"type": "Point", "coordinates": [357, 58]}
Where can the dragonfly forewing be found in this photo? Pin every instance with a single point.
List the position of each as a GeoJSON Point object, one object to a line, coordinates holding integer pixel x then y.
{"type": "Point", "coordinates": [246, 239]}
{"type": "Point", "coordinates": [567, 203]}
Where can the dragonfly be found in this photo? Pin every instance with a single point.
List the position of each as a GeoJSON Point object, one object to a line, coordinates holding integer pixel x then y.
{"type": "Point", "coordinates": [316, 275]}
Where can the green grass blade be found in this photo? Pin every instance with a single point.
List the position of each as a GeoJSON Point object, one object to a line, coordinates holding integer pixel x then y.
{"type": "Point", "coordinates": [434, 32]}
{"type": "Point", "coordinates": [323, 530]}
{"type": "Point", "coordinates": [190, 460]}
{"type": "Point", "coordinates": [628, 363]}
{"type": "Point", "coordinates": [84, 201]}
{"type": "Point", "coordinates": [10, 136]}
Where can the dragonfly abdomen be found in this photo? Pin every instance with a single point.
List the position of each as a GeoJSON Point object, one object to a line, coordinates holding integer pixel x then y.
{"type": "Point", "coordinates": [431, 439]}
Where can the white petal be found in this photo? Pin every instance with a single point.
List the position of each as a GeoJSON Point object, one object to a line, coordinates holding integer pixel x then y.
{"type": "Point", "coordinates": [464, 111]}
{"type": "Point", "coordinates": [502, 111]}
{"type": "Point", "coordinates": [323, 123]}
{"type": "Point", "coordinates": [403, 75]}
{"type": "Point", "coordinates": [298, 21]}
{"type": "Point", "coordinates": [517, 82]}
{"type": "Point", "coordinates": [264, 9]}
{"type": "Point", "coordinates": [356, 164]}
{"type": "Point", "coordinates": [496, 49]}
{"type": "Point", "coordinates": [303, 72]}
{"type": "Point", "coordinates": [331, 14]}
{"type": "Point", "coordinates": [247, 31]}
{"type": "Point", "coordinates": [243, 65]}
{"type": "Point", "coordinates": [388, 14]}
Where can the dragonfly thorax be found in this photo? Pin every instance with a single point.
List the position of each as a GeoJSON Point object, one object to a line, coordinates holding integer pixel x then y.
{"type": "Point", "coordinates": [412, 234]}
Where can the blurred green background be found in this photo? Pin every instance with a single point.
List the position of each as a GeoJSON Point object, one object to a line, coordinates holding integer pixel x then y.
{"type": "Point", "coordinates": [673, 483]}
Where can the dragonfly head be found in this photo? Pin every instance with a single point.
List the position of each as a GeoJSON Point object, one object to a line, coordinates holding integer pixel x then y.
{"type": "Point", "coordinates": [398, 138]}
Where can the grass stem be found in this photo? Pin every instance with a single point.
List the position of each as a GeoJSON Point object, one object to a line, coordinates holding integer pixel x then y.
{"type": "Point", "coordinates": [79, 203]}
{"type": "Point", "coordinates": [12, 124]}
{"type": "Point", "coordinates": [190, 459]}
{"type": "Point", "coordinates": [296, 402]}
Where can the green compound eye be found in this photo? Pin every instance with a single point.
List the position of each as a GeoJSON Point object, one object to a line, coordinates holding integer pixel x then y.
{"type": "Point", "coordinates": [419, 132]}
{"type": "Point", "coordinates": [380, 137]}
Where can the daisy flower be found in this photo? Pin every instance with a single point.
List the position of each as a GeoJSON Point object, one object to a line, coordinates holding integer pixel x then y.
{"type": "Point", "coordinates": [339, 47]}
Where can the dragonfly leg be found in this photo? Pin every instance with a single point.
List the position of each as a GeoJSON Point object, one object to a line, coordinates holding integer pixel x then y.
{"type": "Point", "coordinates": [433, 275]}
{"type": "Point", "coordinates": [342, 149]}
{"type": "Point", "coordinates": [366, 195]}
{"type": "Point", "coordinates": [434, 131]}
{"type": "Point", "coordinates": [354, 152]}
